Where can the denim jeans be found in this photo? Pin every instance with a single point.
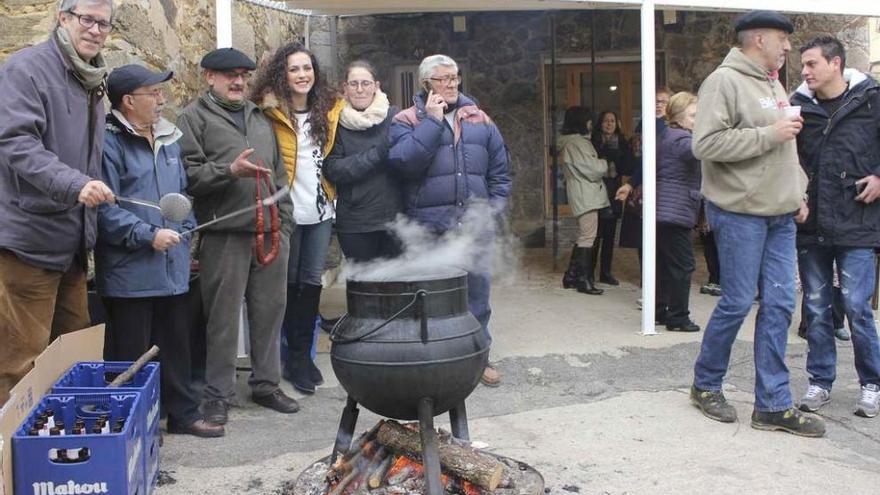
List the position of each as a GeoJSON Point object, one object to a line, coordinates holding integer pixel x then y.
{"type": "Point", "coordinates": [308, 252]}
{"type": "Point", "coordinates": [856, 269]}
{"type": "Point", "coordinates": [754, 252]}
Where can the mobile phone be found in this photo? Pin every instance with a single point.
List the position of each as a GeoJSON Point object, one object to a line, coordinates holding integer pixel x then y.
{"type": "Point", "coordinates": [426, 86]}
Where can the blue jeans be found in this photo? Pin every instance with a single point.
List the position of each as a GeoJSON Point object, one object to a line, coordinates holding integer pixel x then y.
{"type": "Point", "coordinates": [755, 252]}
{"type": "Point", "coordinates": [308, 252]}
{"type": "Point", "coordinates": [856, 269]}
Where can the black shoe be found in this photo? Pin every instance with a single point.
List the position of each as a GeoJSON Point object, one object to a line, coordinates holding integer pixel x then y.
{"type": "Point", "coordinates": [301, 378]}
{"type": "Point", "coordinates": [790, 420]}
{"type": "Point", "coordinates": [327, 324]}
{"type": "Point", "coordinates": [713, 405]}
{"type": "Point", "coordinates": [660, 316]}
{"type": "Point", "coordinates": [584, 263]}
{"type": "Point", "coordinates": [687, 326]}
{"type": "Point", "coordinates": [277, 401]}
{"type": "Point", "coordinates": [216, 411]}
{"type": "Point", "coordinates": [316, 376]}
{"type": "Point", "coordinates": [198, 428]}
{"type": "Point", "coordinates": [608, 279]}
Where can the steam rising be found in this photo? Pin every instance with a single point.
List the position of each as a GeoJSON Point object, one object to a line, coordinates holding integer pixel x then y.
{"type": "Point", "coordinates": [480, 243]}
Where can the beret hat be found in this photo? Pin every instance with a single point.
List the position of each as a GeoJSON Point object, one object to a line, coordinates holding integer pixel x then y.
{"type": "Point", "coordinates": [227, 59]}
{"type": "Point", "coordinates": [757, 19]}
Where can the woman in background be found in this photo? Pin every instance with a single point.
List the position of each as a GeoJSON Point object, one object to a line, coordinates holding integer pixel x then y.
{"type": "Point", "coordinates": [584, 171]}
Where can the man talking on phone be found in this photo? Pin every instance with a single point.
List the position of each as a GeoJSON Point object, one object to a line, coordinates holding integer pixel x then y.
{"type": "Point", "coordinates": [839, 149]}
{"type": "Point", "coordinates": [450, 155]}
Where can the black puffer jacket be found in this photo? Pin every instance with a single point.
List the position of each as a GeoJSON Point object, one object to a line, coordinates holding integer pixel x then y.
{"type": "Point", "coordinates": [369, 195]}
{"type": "Point", "coordinates": [835, 151]}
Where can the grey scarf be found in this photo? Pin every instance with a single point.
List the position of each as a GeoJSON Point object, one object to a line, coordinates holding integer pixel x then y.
{"type": "Point", "coordinates": [91, 74]}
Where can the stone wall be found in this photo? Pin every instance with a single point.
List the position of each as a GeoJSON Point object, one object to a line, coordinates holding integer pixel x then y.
{"type": "Point", "coordinates": [161, 34]}
{"type": "Point", "coordinates": [504, 51]}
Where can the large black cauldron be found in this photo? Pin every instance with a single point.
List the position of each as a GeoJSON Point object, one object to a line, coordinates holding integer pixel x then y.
{"type": "Point", "coordinates": [406, 340]}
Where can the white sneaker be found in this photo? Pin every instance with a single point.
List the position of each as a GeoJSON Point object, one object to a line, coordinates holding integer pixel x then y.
{"type": "Point", "coordinates": [869, 404]}
{"type": "Point", "coordinates": [814, 398]}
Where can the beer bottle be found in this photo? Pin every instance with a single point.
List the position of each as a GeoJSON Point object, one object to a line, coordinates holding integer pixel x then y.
{"type": "Point", "coordinates": [59, 455]}
{"type": "Point", "coordinates": [81, 454]}
{"type": "Point", "coordinates": [50, 418]}
{"type": "Point", "coordinates": [41, 426]}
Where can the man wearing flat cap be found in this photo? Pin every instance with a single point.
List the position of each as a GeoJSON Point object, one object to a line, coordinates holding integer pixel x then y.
{"type": "Point", "coordinates": [228, 145]}
{"type": "Point", "coordinates": [141, 260]}
{"type": "Point", "coordinates": [754, 188]}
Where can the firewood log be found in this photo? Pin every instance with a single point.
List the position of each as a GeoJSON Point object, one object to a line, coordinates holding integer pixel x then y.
{"type": "Point", "coordinates": [378, 474]}
{"type": "Point", "coordinates": [464, 462]}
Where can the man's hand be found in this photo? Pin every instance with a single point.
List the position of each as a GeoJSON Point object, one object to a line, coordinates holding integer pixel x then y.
{"type": "Point", "coordinates": [94, 193]}
{"type": "Point", "coordinates": [623, 192]}
{"type": "Point", "coordinates": [165, 239]}
{"type": "Point", "coordinates": [788, 128]}
{"type": "Point", "coordinates": [802, 213]}
{"type": "Point", "coordinates": [435, 105]}
{"type": "Point", "coordinates": [870, 190]}
{"type": "Point", "coordinates": [241, 167]}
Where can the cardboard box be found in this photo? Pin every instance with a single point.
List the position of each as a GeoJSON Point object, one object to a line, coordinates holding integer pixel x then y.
{"type": "Point", "coordinates": [82, 345]}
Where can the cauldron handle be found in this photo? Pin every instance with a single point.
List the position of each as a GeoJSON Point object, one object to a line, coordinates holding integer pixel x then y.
{"type": "Point", "coordinates": [422, 295]}
{"type": "Point", "coordinates": [418, 297]}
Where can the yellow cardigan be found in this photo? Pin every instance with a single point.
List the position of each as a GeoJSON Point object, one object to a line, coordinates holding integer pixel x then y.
{"type": "Point", "coordinates": [286, 135]}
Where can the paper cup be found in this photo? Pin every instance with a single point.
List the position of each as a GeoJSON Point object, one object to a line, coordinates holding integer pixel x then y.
{"type": "Point", "coordinates": [792, 111]}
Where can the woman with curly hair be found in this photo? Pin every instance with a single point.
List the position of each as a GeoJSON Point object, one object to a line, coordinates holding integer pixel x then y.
{"type": "Point", "coordinates": [304, 111]}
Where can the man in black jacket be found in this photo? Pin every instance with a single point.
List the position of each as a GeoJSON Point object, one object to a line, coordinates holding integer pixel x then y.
{"type": "Point", "coordinates": [839, 148]}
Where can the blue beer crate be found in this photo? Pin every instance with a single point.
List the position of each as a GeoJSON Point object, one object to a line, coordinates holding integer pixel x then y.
{"type": "Point", "coordinates": [95, 463]}
{"type": "Point", "coordinates": [93, 377]}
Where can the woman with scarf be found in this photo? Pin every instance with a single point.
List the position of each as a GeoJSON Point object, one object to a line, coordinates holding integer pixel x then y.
{"type": "Point", "coordinates": [613, 146]}
{"type": "Point", "coordinates": [369, 197]}
{"type": "Point", "coordinates": [304, 112]}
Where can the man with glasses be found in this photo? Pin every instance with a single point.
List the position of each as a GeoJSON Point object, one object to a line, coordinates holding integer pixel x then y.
{"type": "Point", "coordinates": [51, 138]}
{"type": "Point", "coordinates": [450, 156]}
{"type": "Point", "coordinates": [141, 262]}
{"type": "Point", "coordinates": [229, 148]}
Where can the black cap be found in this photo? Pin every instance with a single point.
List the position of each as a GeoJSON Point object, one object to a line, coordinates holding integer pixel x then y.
{"type": "Point", "coordinates": [227, 59]}
{"type": "Point", "coordinates": [124, 80]}
{"type": "Point", "coordinates": [758, 19]}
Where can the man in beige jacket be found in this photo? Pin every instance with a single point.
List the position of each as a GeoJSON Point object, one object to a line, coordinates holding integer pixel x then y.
{"type": "Point", "coordinates": [754, 189]}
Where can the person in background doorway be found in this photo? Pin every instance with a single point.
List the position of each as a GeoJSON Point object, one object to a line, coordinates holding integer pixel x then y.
{"type": "Point", "coordinates": [612, 145]}
{"type": "Point", "coordinates": [678, 207]}
{"type": "Point", "coordinates": [584, 171]}
{"type": "Point", "coordinates": [304, 112]}
{"type": "Point", "coordinates": [369, 193]}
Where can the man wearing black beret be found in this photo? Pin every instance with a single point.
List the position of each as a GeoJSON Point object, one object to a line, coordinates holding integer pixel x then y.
{"type": "Point", "coordinates": [228, 145]}
{"type": "Point", "coordinates": [754, 188]}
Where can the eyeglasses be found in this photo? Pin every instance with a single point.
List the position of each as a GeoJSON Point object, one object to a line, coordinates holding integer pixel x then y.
{"type": "Point", "coordinates": [446, 80]}
{"type": "Point", "coordinates": [89, 22]}
{"type": "Point", "coordinates": [363, 84]}
{"type": "Point", "coordinates": [233, 75]}
{"type": "Point", "coordinates": [155, 94]}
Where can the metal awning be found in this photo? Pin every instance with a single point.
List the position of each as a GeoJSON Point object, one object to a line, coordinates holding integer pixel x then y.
{"type": "Point", "coordinates": [648, 41]}
{"type": "Point", "coordinates": [372, 7]}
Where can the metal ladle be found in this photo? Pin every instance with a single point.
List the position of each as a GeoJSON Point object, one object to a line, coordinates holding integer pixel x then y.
{"type": "Point", "coordinates": [174, 207]}
{"type": "Point", "coordinates": [265, 202]}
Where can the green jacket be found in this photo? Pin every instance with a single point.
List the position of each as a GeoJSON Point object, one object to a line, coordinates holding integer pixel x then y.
{"type": "Point", "coordinates": [745, 168]}
{"type": "Point", "coordinates": [211, 142]}
{"type": "Point", "coordinates": [583, 171]}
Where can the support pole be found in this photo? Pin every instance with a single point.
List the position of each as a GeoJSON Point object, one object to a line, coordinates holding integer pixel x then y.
{"type": "Point", "coordinates": [649, 169]}
{"type": "Point", "coordinates": [430, 447]}
{"type": "Point", "coordinates": [458, 422]}
{"type": "Point", "coordinates": [347, 424]}
{"type": "Point", "coordinates": [554, 156]}
{"type": "Point", "coordinates": [224, 23]}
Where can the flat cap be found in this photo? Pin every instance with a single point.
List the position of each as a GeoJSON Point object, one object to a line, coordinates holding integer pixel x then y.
{"type": "Point", "coordinates": [227, 59]}
{"type": "Point", "coordinates": [758, 19]}
{"type": "Point", "coordinates": [127, 78]}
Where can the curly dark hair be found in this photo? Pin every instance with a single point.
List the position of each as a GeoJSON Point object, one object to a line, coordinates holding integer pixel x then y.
{"type": "Point", "coordinates": [272, 78]}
